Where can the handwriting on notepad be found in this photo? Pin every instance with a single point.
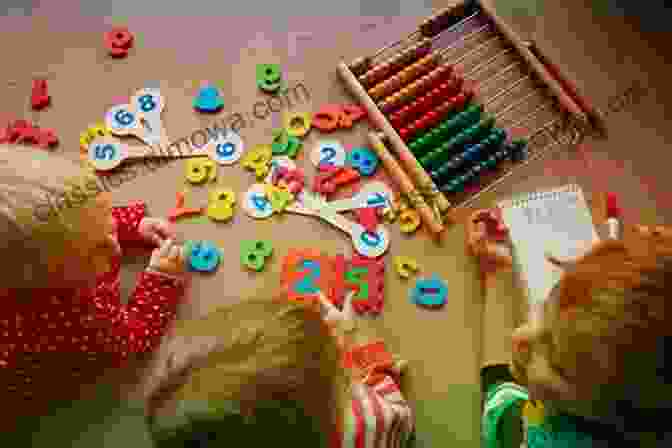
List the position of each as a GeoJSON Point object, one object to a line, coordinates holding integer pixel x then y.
{"type": "Point", "coordinates": [553, 211]}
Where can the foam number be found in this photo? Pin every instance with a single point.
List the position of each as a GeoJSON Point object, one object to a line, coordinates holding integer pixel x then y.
{"type": "Point", "coordinates": [226, 149]}
{"type": "Point", "coordinates": [297, 124]}
{"type": "Point", "coordinates": [105, 153]}
{"type": "Point", "coordinates": [203, 256]}
{"type": "Point", "coordinates": [269, 77]}
{"type": "Point", "coordinates": [255, 203]}
{"type": "Point", "coordinates": [122, 120]}
{"type": "Point", "coordinates": [370, 244]}
{"type": "Point", "coordinates": [253, 254]}
{"type": "Point", "coordinates": [220, 204]}
{"type": "Point", "coordinates": [431, 292]}
{"type": "Point", "coordinates": [277, 164]}
{"type": "Point", "coordinates": [359, 278]}
{"type": "Point", "coordinates": [258, 160]}
{"type": "Point", "coordinates": [363, 160]}
{"type": "Point", "coordinates": [280, 198]}
{"type": "Point", "coordinates": [149, 105]}
{"type": "Point", "coordinates": [328, 152]}
{"type": "Point", "coordinates": [200, 169]}
{"type": "Point", "coordinates": [304, 274]}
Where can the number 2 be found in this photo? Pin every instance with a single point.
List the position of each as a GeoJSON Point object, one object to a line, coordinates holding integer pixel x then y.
{"type": "Point", "coordinates": [328, 154]}
{"type": "Point", "coordinates": [105, 152]}
{"type": "Point", "coordinates": [147, 103]}
{"type": "Point", "coordinates": [307, 285]}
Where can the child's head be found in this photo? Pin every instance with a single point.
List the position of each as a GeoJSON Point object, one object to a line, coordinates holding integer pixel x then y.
{"type": "Point", "coordinates": [55, 227]}
{"type": "Point", "coordinates": [275, 377]}
{"type": "Point", "coordinates": [598, 348]}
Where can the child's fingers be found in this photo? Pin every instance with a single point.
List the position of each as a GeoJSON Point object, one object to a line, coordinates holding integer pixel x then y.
{"type": "Point", "coordinates": [347, 306]}
{"type": "Point", "coordinates": [330, 312]}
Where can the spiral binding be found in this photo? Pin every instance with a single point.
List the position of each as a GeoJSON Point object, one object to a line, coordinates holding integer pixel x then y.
{"type": "Point", "coordinates": [539, 195]}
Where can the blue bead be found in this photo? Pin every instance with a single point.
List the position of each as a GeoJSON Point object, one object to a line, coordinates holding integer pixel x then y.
{"type": "Point", "coordinates": [363, 160]}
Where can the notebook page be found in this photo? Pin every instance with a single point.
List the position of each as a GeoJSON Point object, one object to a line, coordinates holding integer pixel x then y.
{"type": "Point", "coordinates": [558, 222]}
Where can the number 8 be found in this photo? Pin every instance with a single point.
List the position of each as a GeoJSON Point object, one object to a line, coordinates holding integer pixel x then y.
{"type": "Point", "coordinates": [147, 103]}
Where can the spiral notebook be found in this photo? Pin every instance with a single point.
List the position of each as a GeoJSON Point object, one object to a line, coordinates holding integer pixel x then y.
{"type": "Point", "coordinates": [556, 221]}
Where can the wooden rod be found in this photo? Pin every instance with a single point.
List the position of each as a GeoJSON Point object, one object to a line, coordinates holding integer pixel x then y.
{"type": "Point", "coordinates": [595, 115]}
{"type": "Point", "coordinates": [405, 184]}
{"type": "Point", "coordinates": [407, 158]}
{"type": "Point", "coordinates": [539, 69]}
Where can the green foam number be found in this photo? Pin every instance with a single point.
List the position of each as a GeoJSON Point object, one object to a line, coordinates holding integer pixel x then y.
{"type": "Point", "coordinates": [253, 253]}
{"type": "Point", "coordinates": [359, 277]}
{"type": "Point", "coordinates": [269, 77]}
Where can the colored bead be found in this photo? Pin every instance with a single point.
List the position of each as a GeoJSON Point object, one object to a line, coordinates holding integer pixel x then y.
{"type": "Point", "coordinates": [395, 63]}
{"type": "Point", "coordinates": [360, 65]}
{"type": "Point", "coordinates": [416, 88]}
{"type": "Point", "coordinates": [449, 126]}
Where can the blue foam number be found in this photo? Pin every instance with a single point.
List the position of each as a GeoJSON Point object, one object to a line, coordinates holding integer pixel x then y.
{"type": "Point", "coordinates": [430, 292]}
{"type": "Point", "coordinates": [363, 160]}
{"type": "Point", "coordinates": [328, 154]}
{"type": "Point", "coordinates": [371, 239]}
{"type": "Point", "coordinates": [147, 103]}
{"type": "Point", "coordinates": [307, 285]}
{"type": "Point", "coordinates": [124, 117]}
{"type": "Point", "coordinates": [105, 152]}
{"type": "Point", "coordinates": [225, 149]}
{"type": "Point", "coordinates": [203, 256]}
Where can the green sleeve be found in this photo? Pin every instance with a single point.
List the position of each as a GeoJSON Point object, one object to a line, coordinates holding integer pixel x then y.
{"type": "Point", "coordinates": [102, 421]}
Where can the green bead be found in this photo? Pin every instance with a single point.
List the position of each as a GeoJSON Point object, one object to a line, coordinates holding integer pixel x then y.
{"type": "Point", "coordinates": [293, 146]}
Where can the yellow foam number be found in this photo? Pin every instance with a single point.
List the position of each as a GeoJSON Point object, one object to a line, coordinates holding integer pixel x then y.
{"type": "Point", "coordinates": [93, 132]}
{"type": "Point", "coordinates": [409, 220]}
{"type": "Point", "coordinates": [200, 169]}
{"type": "Point", "coordinates": [258, 159]}
{"type": "Point", "coordinates": [279, 198]}
{"type": "Point", "coordinates": [405, 266]}
{"type": "Point", "coordinates": [297, 124]}
{"type": "Point", "coordinates": [220, 204]}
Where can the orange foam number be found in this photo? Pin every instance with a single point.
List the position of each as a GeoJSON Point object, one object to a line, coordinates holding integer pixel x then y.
{"type": "Point", "coordinates": [305, 273]}
{"type": "Point", "coordinates": [328, 117]}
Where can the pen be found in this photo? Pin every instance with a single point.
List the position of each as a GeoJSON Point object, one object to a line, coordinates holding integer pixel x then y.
{"type": "Point", "coordinates": [613, 217]}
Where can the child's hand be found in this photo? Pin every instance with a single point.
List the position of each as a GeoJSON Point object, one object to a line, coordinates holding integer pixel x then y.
{"type": "Point", "coordinates": [168, 259]}
{"type": "Point", "coordinates": [155, 230]}
{"type": "Point", "coordinates": [486, 234]}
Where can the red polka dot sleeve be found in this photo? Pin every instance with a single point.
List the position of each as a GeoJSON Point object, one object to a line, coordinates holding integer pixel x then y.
{"type": "Point", "coordinates": [128, 220]}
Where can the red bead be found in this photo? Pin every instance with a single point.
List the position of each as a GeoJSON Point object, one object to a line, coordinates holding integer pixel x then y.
{"type": "Point", "coordinates": [403, 133]}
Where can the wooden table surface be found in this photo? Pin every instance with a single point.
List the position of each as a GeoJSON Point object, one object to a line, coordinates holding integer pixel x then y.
{"type": "Point", "coordinates": [602, 52]}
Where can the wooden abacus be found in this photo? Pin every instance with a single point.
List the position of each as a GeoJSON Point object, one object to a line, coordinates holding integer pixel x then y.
{"type": "Point", "coordinates": [436, 101]}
